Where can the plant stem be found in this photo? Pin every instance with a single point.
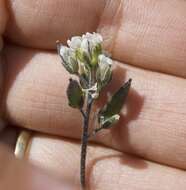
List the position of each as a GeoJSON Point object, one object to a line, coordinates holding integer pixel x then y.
{"type": "Point", "coordinates": [84, 141]}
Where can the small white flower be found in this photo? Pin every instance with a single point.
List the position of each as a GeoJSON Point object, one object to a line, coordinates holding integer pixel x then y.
{"type": "Point", "coordinates": [94, 38]}
{"type": "Point", "coordinates": [83, 42]}
{"type": "Point", "coordinates": [75, 42]}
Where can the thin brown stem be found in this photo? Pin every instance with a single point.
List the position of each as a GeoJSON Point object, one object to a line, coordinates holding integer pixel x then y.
{"type": "Point", "coordinates": [84, 141]}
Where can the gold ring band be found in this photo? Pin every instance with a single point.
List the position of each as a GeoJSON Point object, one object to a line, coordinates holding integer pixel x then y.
{"type": "Point", "coordinates": [22, 143]}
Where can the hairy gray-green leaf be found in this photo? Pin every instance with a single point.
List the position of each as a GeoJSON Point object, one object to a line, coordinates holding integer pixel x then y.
{"type": "Point", "coordinates": [114, 106]}
{"type": "Point", "coordinates": [75, 94]}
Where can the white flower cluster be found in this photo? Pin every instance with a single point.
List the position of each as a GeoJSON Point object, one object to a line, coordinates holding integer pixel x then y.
{"type": "Point", "coordinates": [85, 58]}
{"type": "Point", "coordinates": [85, 42]}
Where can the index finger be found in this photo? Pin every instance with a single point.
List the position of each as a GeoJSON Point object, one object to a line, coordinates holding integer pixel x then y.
{"type": "Point", "coordinates": [149, 34]}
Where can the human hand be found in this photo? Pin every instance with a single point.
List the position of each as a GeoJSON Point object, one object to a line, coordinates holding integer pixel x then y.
{"type": "Point", "coordinates": [148, 40]}
{"type": "Point", "coordinates": [19, 175]}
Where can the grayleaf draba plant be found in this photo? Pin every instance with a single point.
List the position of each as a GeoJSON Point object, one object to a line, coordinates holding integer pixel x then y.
{"type": "Point", "coordinates": [85, 58]}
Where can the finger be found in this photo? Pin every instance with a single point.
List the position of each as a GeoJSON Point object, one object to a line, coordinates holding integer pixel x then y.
{"type": "Point", "coordinates": [152, 123]}
{"type": "Point", "coordinates": [66, 18]}
{"type": "Point", "coordinates": [106, 169]}
{"type": "Point", "coordinates": [19, 175]}
{"type": "Point", "coordinates": [149, 34]}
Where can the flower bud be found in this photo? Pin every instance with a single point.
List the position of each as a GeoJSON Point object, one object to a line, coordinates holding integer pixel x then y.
{"type": "Point", "coordinates": [104, 71]}
{"type": "Point", "coordinates": [75, 42]}
{"type": "Point", "coordinates": [68, 59]}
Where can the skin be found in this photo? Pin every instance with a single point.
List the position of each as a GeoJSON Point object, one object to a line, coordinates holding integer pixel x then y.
{"type": "Point", "coordinates": [147, 40]}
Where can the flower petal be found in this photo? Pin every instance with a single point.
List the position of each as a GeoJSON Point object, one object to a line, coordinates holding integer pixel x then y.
{"type": "Point", "coordinates": [84, 45]}
{"type": "Point", "coordinates": [94, 37]}
{"type": "Point", "coordinates": [75, 42]}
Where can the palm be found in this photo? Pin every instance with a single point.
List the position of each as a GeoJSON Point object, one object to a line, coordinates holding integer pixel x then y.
{"type": "Point", "coordinates": [148, 35]}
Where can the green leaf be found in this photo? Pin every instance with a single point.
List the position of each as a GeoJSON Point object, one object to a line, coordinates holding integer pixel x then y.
{"type": "Point", "coordinates": [75, 94]}
{"type": "Point", "coordinates": [114, 106]}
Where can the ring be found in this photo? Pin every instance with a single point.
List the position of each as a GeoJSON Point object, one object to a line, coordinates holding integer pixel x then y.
{"type": "Point", "coordinates": [22, 143]}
